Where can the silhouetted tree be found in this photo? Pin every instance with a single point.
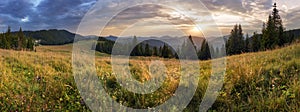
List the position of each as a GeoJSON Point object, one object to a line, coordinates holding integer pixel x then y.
{"type": "Point", "coordinates": [235, 44]}
{"type": "Point", "coordinates": [273, 32]}
{"type": "Point", "coordinates": [21, 40]}
{"type": "Point", "coordinates": [247, 44]}
{"type": "Point", "coordinates": [204, 52]}
{"type": "Point", "coordinates": [187, 48]}
{"type": "Point", "coordinates": [256, 42]}
{"type": "Point", "coordinates": [30, 44]}
{"type": "Point", "coordinates": [147, 50]}
{"type": "Point", "coordinates": [155, 51]}
{"type": "Point", "coordinates": [135, 50]}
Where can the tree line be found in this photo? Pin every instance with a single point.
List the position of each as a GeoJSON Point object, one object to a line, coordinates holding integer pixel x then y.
{"type": "Point", "coordinates": [165, 51]}
{"type": "Point", "coordinates": [17, 41]}
{"type": "Point", "coordinates": [105, 46]}
{"type": "Point", "coordinates": [273, 36]}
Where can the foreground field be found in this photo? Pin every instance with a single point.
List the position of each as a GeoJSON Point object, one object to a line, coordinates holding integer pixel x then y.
{"type": "Point", "coordinates": [43, 81]}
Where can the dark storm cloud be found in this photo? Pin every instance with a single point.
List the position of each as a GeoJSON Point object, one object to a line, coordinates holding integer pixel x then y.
{"type": "Point", "coordinates": [12, 12]}
{"type": "Point", "coordinates": [63, 13]}
{"type": "Point", "coordinates": [67, 14]}
{"type": "Point", "coordinates": [16, 8]}
{"type": "Point", "coordinates": [47, 14]}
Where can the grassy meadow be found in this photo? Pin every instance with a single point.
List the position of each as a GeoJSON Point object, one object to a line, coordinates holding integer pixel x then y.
{"type": "Point", "coordinates": [43, 81]}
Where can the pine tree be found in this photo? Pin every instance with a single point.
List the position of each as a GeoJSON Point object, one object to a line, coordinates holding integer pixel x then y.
{"type": "Point", "coordinates": [268, 38]}
{"type": "Point", "coordinates": [135, 50]}
{"type": "Point", "coordinates": [8, 33]}
{"type": "Point", "coordinates": [256, 42]}
{"type": "Point", "coordinates": [160, 52]}
{"type": "Point", "coordinates": [204, 52]}
{"type": "Point", "coordinates": [140, 50]}
{"type": "Point", "coordinates": [147, 50]}
{"type": "Point", "coordinates": [273, 32]}
{"type": "Point", "coordinates": [1, 41]}
{"type": "Point", "coordinates": [235, 44]}
{"type": "Point", "coordinates": [165, 53]}
{"type": "Point", "coordinates": [247, 43]}
{"type": "Point", "coordinates": [20, 39]}
{"type": "Point", "coordinates": [187, 46]}
{"type": "Point", "coordinates": [155, 51]}
{"type": "Point", "coordinates": [8, 39]}
{"type": "Point", "coordinates": [241, 42]}
{"type": "Point", "coordinates": [289, 37]}
{"type": "Point", "coordinates": [30, 44]}
{"type": "Point", "coordinates": [192, 41]}
{"type": "Point", "coordinates": [6, 43]}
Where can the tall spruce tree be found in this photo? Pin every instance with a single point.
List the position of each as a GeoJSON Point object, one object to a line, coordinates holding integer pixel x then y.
{"type": "Point", "coordinates": [165, 52]}
{"type": "Point", "coordinates": [255, 43]}
{"type": "Point", "coordinates": [235, 44]}
{"type": "Point", "coordinates": [8, 32]}
{"type": "Point", "coordinates": [187, 46]}
{"type": "Point", "coordinates": [160, 52]}
{"type": "Point", "coordinates": [273, 32]}
{"type": "Point", "coordinates": [6, 39]}
{"type": "Point", "coordinates": [30, 44]}
{"type": "Point", "coordinates": [2, 40]}
{"type": "Point", "coordinates": [21, 40]}
{"type": "Point", "coordinates": [135, 50]}
{"type": "Point", "coordinates": [247, 43]}
{"type": "Point", "coordinates": [147, 50]}
{"type": "Point", "coordinates": [192, 42]}
{"type": "Point", "coordinates": [204, 52]}
{"type": "Point", "coordinates": [155, 51]}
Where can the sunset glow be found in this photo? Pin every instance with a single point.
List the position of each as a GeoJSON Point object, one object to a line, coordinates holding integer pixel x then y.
{"type": "Point", "coordinates": [221, 15]}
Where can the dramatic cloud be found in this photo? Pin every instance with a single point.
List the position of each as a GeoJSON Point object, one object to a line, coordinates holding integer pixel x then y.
{"type": "Point", "coordinates": [43, 14]}
{"type": "Point", "coordinates": [67, 14]}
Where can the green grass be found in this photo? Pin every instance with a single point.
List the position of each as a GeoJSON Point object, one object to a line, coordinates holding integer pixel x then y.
{"type": "Point", "coordinates": [43, 81]}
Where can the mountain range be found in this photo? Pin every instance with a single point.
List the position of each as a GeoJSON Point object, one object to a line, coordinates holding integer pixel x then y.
{"type": "Point", "coordinates": [60, 37]}
{"type": "Point", "coordinates": [157, 41]}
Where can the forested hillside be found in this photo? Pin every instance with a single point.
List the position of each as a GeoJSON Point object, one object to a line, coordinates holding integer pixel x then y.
{"type": "Point", "coordinates": [16, 41]}
{"type": "Point", "coordinates": [52, 36]}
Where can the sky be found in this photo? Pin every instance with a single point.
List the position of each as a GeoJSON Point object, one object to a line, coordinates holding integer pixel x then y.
{"type": "Point", "coordinates": [155, 18]}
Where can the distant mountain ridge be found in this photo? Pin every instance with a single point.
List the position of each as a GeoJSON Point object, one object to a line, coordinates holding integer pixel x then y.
{"type": "Point", "coordinates": [60, 37]}
{"type": "Point", "coordinates": [158, 41]}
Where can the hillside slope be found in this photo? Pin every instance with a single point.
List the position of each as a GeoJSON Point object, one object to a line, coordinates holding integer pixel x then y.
{"type": "Point", "coordinates": [43, 81]}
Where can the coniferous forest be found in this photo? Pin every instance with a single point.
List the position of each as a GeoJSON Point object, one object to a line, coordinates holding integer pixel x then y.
{"type": "Point", "coordinates": [16, 41]}
{"type": "Point", "coordinates": [273, 36]}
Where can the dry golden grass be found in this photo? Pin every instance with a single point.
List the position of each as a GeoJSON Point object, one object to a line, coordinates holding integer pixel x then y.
{"type": "Point", "coordinates": [43, 80]}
